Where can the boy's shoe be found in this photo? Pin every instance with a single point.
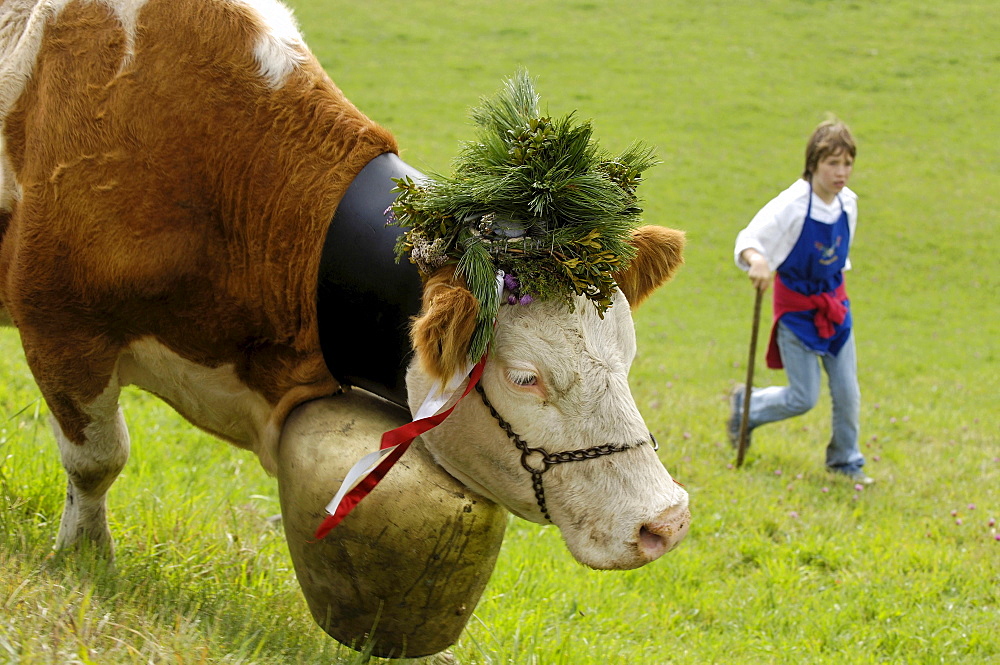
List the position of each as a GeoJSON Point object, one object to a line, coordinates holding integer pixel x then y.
{"type": "Point", "coordinates": [858, 476]}
{"type": "Point", "coordinates": [735, 415]}
{"type": "Point", "coordinates": [861, 477]}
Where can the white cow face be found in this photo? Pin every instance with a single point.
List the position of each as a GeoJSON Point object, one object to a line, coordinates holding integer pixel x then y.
{"type": "Point", "coordinates": [559, 376]}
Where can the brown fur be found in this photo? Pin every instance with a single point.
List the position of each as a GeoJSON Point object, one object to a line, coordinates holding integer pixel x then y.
{"type": "Point", "coordinates": [659, 258]}
{"type": "Point", "coordinates": [442, 332]}
{"type": "Point", "coordinates": [178, 198]}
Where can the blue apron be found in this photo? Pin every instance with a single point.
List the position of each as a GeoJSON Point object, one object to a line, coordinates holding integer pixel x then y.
{"type": "Point", "coordinates": [816, 265]}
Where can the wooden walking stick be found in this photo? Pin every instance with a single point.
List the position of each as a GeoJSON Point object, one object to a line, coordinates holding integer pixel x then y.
{"type": "Point", "coordinates": [748, 386]}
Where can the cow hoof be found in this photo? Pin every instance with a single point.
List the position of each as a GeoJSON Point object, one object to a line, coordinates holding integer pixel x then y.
{"type": "Point", "coordinates": [445, 657]}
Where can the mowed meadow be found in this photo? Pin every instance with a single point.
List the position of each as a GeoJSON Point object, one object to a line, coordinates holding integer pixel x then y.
{"type": "Point", "coordinates": [783, 563]}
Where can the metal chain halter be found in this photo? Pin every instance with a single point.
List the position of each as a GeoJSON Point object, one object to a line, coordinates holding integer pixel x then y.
{"type": "Point", "coordinates": [545, 459]}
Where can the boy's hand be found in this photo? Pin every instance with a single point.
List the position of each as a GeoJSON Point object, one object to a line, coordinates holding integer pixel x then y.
{"type": "Point", "coordinates": [760, 272]}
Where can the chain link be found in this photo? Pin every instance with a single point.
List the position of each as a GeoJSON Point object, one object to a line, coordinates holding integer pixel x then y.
{"type": "Point", "coordinates": [548, 459]}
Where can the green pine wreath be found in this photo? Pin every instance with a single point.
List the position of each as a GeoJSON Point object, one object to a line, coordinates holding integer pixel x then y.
{"type": "Point", "coordinates": [532, 196]}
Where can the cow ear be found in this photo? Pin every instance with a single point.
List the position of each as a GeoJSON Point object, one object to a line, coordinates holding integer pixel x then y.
{"type": "Point", "coordinates": [443, 330]}
{"type": "Point", "coordinates": [658, 259]}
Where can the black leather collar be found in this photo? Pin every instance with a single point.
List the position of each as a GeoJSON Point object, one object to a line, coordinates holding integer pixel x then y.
{"type": "Point", "coordinates": [365, 300]}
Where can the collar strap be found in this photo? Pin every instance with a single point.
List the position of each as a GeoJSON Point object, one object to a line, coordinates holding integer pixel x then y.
{"type": "Point", "coordinates": [364, 298]}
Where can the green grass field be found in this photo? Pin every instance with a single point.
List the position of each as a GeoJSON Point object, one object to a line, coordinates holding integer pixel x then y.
{"type": "Point", "coordinates": [783, 564]}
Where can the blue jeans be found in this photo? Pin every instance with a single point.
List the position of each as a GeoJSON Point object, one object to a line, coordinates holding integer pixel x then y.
{"type": "Point", "coordinates": [768, 405]}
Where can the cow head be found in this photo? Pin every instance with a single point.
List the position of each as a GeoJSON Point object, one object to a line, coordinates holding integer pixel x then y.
{"type": "Point", "coordinates": [558, 375]}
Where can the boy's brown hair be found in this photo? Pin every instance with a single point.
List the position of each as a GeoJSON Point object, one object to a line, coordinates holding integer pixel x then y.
{"type": "Point", "coordinates": [829, 138]}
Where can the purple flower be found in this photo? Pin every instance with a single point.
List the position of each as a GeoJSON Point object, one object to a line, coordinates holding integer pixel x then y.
{"type": "Point", "coordinates": [794, 515]}
{"type": "Point", "coordinates": [972, 506]}
{"type": "Point", "coordinates": [958, 521]}
{"type": "Point", "coordinates": [858, 487]}
{"type": "Point", "coordinates": [992, 522]}
{"type": "Point", "coordinates": [825, 490]}
{"type": "Point", "coordinates": [511, 300]}
{"type": "Point", "coordinates": [525, 299]}
{"type": "Point", "coordinates": [510, 282]}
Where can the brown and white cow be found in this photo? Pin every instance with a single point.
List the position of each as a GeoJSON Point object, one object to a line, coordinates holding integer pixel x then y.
{"type": "Point", "coordinates": [168, 171]}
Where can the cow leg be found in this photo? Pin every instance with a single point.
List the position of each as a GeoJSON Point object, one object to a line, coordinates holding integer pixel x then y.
{"type": "Point", "coordinates": [5, 215]}
{"type": "Point", "coordinates": [91, 464]}
{"type": "Point", "coordinates": [79, 380]}
{"type": "Point", "coordinates": [91, 467]}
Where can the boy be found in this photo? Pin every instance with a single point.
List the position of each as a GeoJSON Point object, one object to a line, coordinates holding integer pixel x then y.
{"type": "Point", "coordinates": [803, 236]}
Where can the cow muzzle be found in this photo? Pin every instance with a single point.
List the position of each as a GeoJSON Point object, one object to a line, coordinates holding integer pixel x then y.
{"type": "Point", "coordinates": [663, 533]}
{"type": "Point", "coordinates": [652, 538]}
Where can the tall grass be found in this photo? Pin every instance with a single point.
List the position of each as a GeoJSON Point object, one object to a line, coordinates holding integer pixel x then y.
{"type": "Point", "coordinates": [784, 564]}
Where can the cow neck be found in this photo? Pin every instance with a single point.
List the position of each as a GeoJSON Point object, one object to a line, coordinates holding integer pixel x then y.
{"type": "Point", "coordinates": [365, 299]}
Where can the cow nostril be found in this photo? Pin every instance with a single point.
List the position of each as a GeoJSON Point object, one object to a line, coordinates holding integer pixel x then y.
{"type": "Point", "coordinates": [652, 545]}
{"type": "Point", "coordinates": [664, 533]}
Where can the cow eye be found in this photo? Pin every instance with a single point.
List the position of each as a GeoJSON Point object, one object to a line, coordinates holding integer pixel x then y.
{"type": "Point", "coordinates": [522, 377]}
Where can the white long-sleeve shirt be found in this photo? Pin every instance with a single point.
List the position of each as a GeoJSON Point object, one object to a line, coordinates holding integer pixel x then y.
{"type": "Point", "coordinates": [776, 228]}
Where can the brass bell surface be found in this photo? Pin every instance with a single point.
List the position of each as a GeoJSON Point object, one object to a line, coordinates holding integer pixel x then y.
{"type": "Point", "coordinates": [407, 567]}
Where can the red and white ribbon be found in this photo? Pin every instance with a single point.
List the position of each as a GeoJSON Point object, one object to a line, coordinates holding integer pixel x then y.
{"type": "Point", "coordinates": [370, 469]}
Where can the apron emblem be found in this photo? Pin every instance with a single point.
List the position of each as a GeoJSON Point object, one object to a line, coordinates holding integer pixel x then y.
{"type": "Point", "coordinates": [828, 255]}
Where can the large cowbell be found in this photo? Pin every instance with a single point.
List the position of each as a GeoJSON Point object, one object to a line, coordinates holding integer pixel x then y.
{"type": "Point", "coordinates": [365, 299]}
{"type": "Point", "coordinates": [405, 570]}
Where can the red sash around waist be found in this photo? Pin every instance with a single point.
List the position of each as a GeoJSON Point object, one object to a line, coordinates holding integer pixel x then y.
{"type": "Point", "coordinates": [829, 306]}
